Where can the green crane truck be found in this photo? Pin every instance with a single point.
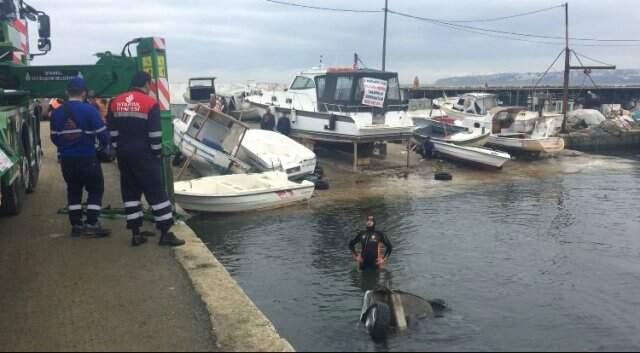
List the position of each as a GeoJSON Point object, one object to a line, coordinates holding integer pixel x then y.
{"type": "Point", "coordinates": [21, 84]}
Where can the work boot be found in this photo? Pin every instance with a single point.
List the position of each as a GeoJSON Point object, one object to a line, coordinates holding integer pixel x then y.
{"type": "Point", "coordinates": [77, 231]}
{"type": "Point", "coordinates": [138, 240]}
{"type": "Point", "coordinates": [96, 231]}
{"type": "Point", "coordinates": [170, 239]}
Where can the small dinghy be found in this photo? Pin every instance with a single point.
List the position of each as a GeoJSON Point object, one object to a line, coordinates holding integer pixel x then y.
{"type": "Point", "coordinates": [482, 157]}
{"type": "Point", "coordinates": [443, 132]}
{"type": "Point", "coordinates": [241, 192]}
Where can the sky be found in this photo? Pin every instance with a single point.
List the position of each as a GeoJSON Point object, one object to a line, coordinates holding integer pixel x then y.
{"type": "Point", "coordinates": [242, 40]}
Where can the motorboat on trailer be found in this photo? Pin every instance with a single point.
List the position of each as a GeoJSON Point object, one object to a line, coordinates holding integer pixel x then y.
{"type": "Point", "coordinates": [241, 192]}
{"type": "Point", "coordinates": [341, 105]}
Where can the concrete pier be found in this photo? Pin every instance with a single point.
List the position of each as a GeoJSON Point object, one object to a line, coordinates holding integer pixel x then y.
{"type": "Point", "coordinates": [66, 294]}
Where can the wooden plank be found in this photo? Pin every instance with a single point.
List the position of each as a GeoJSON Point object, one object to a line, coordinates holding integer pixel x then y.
{"type": "Point", "coordinates": [398, 311]}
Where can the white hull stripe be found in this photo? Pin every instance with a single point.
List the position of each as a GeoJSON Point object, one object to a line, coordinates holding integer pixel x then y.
{"type": "Point", "coordinates": [161, 206]}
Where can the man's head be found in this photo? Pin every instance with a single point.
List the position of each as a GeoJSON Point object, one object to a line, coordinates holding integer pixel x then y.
{"type": "Point", "coordinates": [371, 223]}
{"type": "Point", "coordinates": [142, 81]}
{"type": "Point", "coordinates": [77, 88]}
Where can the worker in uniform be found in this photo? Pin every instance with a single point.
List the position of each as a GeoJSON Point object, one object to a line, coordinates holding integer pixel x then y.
{"type": "Point", "coordinates": [74, 129]}
{"type": "Point", "coordinates": [268, 121]}
{"type": "Point", "coordinates": [371, 243]}
{"type": "Point", "coordinates": [134, 123]}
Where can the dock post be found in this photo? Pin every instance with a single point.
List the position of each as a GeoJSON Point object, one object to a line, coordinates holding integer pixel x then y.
{"type": "Point", "coordinates": [355, 157]}
{"type": "Point", "coordinates": [408, 154]}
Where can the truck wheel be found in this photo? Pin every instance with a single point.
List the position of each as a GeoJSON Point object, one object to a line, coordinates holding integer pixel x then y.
{"type": "Point", "coordinates": [13, 198]}
{"type": "Point", "coordinates": [34, 175]}
{"type": "Point", "coordinates": [378, 321]}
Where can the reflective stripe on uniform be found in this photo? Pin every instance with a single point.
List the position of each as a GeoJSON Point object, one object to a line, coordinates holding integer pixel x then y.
{"type": "Point", "coordinates": [132, 204]}
{"type": "Point", "coordinates": [166, 217]}
{"type": "Point", "coordinates": [155, 134]}
{"type": "Point", "coordinates": [102, 129]}
{"type": "Point", "coordinates": [75, 207]}
{"type": "Point", "coordinates": [115, 133]}
{"type": "Point", "coordinates": [156, 147]}
{"type": "Point", "coordinates": [160, 206]}
{"type": "Point", "coordinates": [66, 132]}
{"type": "Point", "coordinates": [94, 207]}
{"type": "Point", "coordinates": [135, 216]}
{"type": "Point", "coordinates": [131, 115]}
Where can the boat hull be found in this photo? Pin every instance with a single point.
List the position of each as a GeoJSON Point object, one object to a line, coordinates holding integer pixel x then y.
{"type": "Point", "coordinates": [271, 199]}
{"type": "Point", "coordinates": [319, 126]}
{"type": "Point", "coordinates": [478, 156]}
{"type": "Point", "coordinates": [549, 145]}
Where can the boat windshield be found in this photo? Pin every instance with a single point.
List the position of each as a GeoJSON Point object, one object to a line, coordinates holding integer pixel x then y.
{"type": "Point", "coordinates": [359, 90]}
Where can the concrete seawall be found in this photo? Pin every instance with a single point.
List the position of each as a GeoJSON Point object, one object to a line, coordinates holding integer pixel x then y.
{"type": "Point", "coordinates": [238, 324]}
{"type": "Point", "coordinates": [602, 142]}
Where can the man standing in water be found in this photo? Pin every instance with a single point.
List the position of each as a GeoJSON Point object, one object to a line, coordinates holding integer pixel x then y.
{"type": "Point", "coordinates": [371, 242]}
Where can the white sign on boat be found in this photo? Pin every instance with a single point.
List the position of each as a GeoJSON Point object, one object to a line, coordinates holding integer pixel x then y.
{"type": "Point", "coordinates": [375, 92]}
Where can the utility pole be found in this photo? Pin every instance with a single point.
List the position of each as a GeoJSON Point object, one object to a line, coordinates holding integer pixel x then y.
{"type": "Point", "coordinates": [568, 68]}
{"type": "Point", "coordinates": [384, 39]}
{"type": "Point", "coordinates": [567, 71]}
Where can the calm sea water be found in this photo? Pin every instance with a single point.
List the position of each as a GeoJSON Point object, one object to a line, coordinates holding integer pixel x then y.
{"type": "Point", "coordinates": [548, 264]}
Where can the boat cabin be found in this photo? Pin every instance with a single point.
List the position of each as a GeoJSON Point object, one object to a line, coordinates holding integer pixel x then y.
{"type": "Point", "coordinates": [349, 90]}
{"type": "Point", "coordinates": [201, 89]}
{"type": "Point", "coordinates": [476, 103]}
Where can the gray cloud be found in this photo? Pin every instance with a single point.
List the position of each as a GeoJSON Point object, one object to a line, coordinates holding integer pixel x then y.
{"type": "Point", "coordinates": [238, 40]}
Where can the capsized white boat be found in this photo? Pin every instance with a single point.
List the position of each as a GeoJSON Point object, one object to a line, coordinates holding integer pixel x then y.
{"type": "Point", "coordinates": [241, 192]}
{"type": "Point", "coordinates": [211, 139]}
{"type": "Point", "coordinates": [483, 157]}
{"type": "Point", "coordinates": [269, 150]}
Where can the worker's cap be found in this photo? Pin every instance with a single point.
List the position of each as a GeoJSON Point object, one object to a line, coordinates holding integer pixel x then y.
{"type": "Point", "coordinates": [140, 79]}
{"type": "Point", "coordinates": [77, 84]}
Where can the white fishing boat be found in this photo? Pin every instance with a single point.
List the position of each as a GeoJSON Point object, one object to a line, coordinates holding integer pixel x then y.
{"type": "Point", "coordinates": [269, 150]}
{"type": "Point", "coordinates": [482, 157]}
{"type": "Point", "coordinates": [475, 107]}
{"type": "Point", "coordinates": [241, 192]}
{"type": "Point", "coordinates": [341, 105]}
{"type": "Point", "coordinates": [519, 130]}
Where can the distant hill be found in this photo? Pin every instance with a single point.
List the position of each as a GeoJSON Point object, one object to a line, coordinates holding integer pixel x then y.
{"type": "Point", "coordinates": [604, 78]}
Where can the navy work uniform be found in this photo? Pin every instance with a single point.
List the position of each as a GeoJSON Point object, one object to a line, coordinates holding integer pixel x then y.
{"type": "Point", "coordinates": [74, 129]}
{"type": "Point", "coordinates": [134, 124]}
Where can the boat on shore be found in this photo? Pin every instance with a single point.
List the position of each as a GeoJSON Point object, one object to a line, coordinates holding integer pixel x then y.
{"type": "Point", "coordinates": [518, 130]}
{"type": "Point", "coordinates": [482, 157]}
{"type": "Point", "coordinates": [340, 105]}
{"type": "Point", "coordinates": [458, 135]}
{"type": "Point", "coordinates": [241, 192]}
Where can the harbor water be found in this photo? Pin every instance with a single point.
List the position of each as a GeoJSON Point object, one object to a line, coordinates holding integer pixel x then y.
{"type": "Point", "coordinates": [545, 262]}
